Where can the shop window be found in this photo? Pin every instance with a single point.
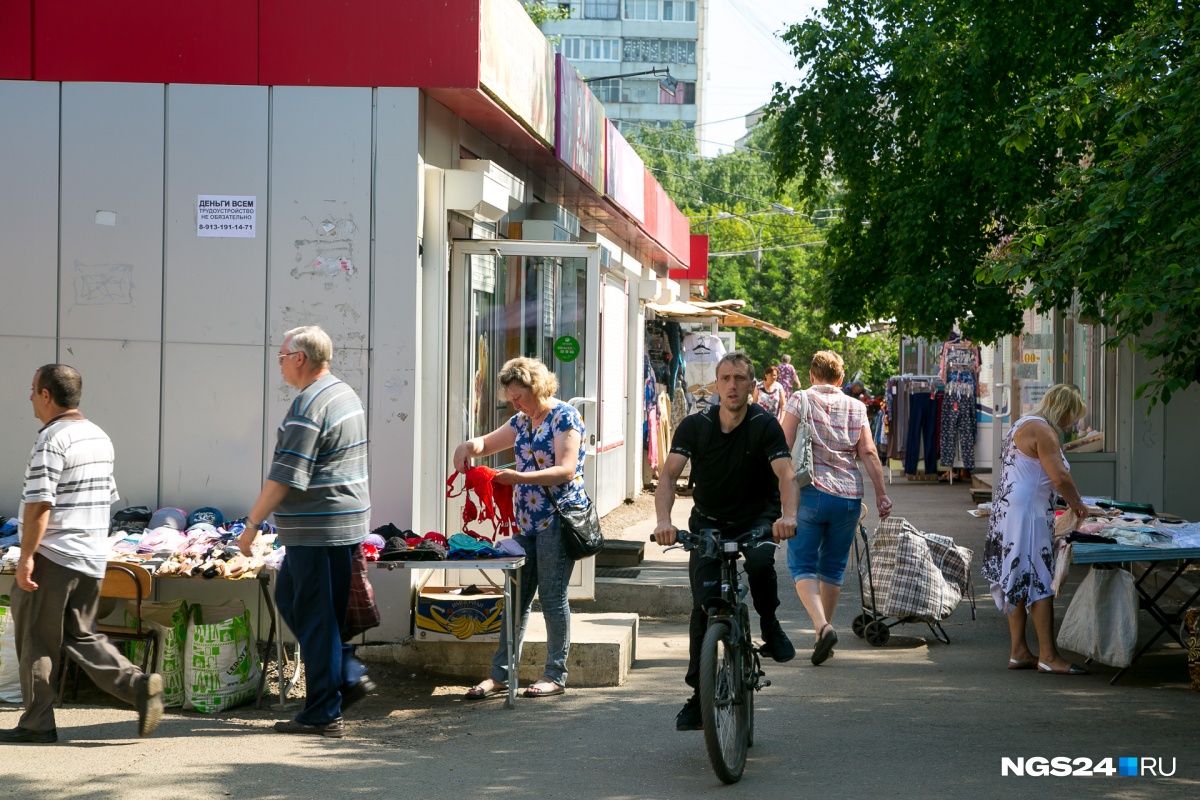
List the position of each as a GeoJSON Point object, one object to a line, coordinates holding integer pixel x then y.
{"type": "Point", "coordinates": [639, 92]}
{"type": "Point", "coordinates": [641, 9]}
{"type": "Point", "coordinates": [679, 10]}
{"type": "Point", "coordinates": [660, 51]}
{"type": "Point", "coordinates": [601, 9]}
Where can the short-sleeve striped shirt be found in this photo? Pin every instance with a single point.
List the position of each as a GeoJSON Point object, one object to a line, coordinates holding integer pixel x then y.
{"type": "Point", "coordinates": [71, 467]}
{"type": "Point", "coordinates": [836, 423]}
{"type": "Point", "coordinates": [321, 453]}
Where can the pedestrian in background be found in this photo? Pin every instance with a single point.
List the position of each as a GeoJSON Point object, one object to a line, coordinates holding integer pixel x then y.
{"type": "Point", "coordinates": [830, 506]}
{"type": "Point", "coordinates": [769, 393]}
{"type": "Point", "coordinates": [787, 375]}
{"type": "Point", "coordinates": [63, 524]}
{"type": "Point", "coordinates": [317, 489]}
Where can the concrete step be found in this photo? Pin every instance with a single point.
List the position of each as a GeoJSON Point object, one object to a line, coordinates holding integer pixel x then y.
{"type": "Point", "coordinates": [660, 589]}
{"type": "Point", "coordinates": [603, 648]}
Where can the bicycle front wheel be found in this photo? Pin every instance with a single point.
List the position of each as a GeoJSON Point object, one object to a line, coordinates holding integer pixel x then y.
{"type": "Point", "coordinates": [722, 703]}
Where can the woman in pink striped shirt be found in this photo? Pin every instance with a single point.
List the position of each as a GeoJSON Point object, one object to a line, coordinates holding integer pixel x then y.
{"type": "Point", "coordinates": [829, 507]}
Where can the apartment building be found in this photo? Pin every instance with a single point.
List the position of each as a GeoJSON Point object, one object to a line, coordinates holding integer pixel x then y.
{"type": "Point", "coordinates": [604, 38]}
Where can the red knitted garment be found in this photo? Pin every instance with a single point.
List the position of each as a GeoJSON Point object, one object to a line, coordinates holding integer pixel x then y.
{"type": "Point", "coordinates": [493, 502]}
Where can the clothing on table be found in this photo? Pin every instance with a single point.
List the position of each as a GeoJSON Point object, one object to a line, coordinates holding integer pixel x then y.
{"type": "Point", "coordinates": [772, 399]}
{"type": "Point", "coordinates": [1018, 552]}
{"type": "Point", "coordinates": [788, 378]}
{"type": "Point", "coordinates": [535, 451]}
{"type": "Point", "coordinates": [836, 423]}
{"type": "Point", "coordinates": [732, 471]}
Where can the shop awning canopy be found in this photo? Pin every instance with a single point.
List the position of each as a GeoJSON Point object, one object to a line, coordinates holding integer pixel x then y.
{"type": "Point", "coordinates": [724, 312]}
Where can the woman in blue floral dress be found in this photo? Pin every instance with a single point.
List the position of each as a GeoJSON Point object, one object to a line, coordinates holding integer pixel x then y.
{"type": "Point", "coordinates": [547, 437]}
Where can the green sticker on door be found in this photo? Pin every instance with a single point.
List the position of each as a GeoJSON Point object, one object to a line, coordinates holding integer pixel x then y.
{"type": "Point", "coordinates": [566, 348]}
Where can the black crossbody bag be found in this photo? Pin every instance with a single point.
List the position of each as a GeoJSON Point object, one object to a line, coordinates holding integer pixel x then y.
{"type": "Point", "coordinates": [580, 528]}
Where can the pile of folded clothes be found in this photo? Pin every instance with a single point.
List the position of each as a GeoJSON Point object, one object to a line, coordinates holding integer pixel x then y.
{"type": "Point", "coordinates": [404, 545]}
{"type": "Point", "coordinates": [202, 544]}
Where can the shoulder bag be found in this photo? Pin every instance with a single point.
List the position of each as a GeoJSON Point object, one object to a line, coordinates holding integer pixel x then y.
{"type": "Point", "coordinates": [802, 457]}
{"type": "Point", "coordinates": [580, 527]}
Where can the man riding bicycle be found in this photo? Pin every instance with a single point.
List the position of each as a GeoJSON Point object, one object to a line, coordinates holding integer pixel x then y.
{"type": "Point", "coordinates": [742, 473]}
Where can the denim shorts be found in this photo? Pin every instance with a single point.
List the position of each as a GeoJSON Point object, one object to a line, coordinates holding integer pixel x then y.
{"type": "Point", "coordinates": [825, 526]}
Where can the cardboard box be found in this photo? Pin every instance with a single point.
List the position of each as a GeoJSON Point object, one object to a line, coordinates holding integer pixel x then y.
{"type": "Point", "coordinates": [445, 614]}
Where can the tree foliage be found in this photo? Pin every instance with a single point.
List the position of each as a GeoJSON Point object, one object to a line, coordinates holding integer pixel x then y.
{"type": "Point", "coordinates": [781, 286]}
{"type": "Point", "coordinates": [906, 103]}
{"type": "Point", "coordinates": [540, 11]}
{"type": "Point", "coordinates": [1122, 231]}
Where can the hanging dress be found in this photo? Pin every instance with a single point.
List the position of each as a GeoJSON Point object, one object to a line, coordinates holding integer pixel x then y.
{"type": "Point", "coordinates": [1018, 553]}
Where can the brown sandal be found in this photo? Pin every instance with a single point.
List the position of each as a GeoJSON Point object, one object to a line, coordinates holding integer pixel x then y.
{"type": "Point", "coordinates": [477, 692]}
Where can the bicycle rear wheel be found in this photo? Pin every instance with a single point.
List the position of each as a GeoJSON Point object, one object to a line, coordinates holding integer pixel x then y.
{"type": "Point", "coordinates": [722, 703]}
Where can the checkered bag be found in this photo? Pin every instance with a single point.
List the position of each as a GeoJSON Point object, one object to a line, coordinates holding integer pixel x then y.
{"type": "Point", "coordinates": [916, 575]}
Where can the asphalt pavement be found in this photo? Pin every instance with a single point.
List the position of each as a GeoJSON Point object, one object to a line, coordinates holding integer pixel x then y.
{"type": "Point", "coordinates": [912, 719]}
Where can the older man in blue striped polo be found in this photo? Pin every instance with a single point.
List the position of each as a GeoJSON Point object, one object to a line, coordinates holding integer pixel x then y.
{"type": "Point", "coordinates": [317, 489]}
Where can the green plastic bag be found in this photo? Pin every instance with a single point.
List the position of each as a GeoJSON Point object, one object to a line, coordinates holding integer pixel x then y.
{"type": "Point", "coordinates": [221, 667]}
{"type": "Point", "coordinates": [169, 619]}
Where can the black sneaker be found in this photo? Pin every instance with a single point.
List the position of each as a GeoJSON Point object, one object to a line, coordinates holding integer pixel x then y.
{"type": "Point", "coordinates": [357, 691]}
{"type": "Point", "coordinates": [688, 718]}
{"type": "Point", "coordinates": [330, 730]}
{"type": "Point", "coordinates": [777, 645]}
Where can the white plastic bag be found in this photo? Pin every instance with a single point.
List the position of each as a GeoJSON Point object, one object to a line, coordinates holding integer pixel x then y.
{"type": "Point", "coordinates": [169, 619]}
{"type": "Point", "coordinates": [10, 673]}
{"type": "Point", "coordinates": [1101, 622]}
{"type": "Point", "coordinates": [220, 668]}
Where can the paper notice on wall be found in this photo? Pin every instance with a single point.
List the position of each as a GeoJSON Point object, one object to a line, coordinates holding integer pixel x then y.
{"type": "Point", "coordinates": [226, 216]}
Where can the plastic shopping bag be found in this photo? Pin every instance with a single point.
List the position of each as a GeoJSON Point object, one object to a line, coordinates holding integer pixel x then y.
{"type": "Point", "coordinates": [220, 668]}
{"type": "Point", "coordinates": [1101, 622]}
{"type": "Point", "coordinates": [169, 619]}
{"type": "Point", "coordinates": [10, 673]}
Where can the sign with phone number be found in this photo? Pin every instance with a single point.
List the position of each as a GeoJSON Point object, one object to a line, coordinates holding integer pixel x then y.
{"type": "Point", "coordinates": [226, 216]}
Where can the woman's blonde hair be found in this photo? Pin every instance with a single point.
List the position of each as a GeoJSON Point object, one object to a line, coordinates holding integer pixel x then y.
{"type": "Point", "coordinates": [828, 367]}
{"type": "Point", "coordinates": [1061, 401]}
{"type": "Point", "coordinates": [530, 373]}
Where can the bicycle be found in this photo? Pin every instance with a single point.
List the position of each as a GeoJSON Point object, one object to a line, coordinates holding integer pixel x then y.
{"type": "Point", "coordinates": [730, 668]}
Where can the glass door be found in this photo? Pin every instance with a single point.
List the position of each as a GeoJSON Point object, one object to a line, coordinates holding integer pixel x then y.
{"type": "Point", "coordinates": [533, 299]}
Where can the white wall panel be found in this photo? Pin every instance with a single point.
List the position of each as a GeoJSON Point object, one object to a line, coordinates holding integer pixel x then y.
{"type": "Point", "coordinates": [29, 207]}
{"type": "Point", "coordinates": [215, 288]}
{"type": "Point", "coordinates": [396, 321]}
{"type": "Point", "coordinates": [112, 211]}
{"type": "Point", "coordinates": [23, 355]}
{"type": "Point", "coordinates": [121, 391]}
{"type": "Point", "coordinates": [212, 426]}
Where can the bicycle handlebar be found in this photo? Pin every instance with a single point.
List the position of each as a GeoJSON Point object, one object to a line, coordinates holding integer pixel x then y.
{"type": "Point", "coordinates": [688, 540]}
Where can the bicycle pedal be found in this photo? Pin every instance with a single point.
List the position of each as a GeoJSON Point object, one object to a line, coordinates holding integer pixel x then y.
{"type": "Point", "coordinates": [763, 684]}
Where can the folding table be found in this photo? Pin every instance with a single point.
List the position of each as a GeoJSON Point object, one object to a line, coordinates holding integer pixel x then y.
{"type": "Point", "coordinates": [511, 567]}
{"type": "Point", "coordinates": [1155, 559]}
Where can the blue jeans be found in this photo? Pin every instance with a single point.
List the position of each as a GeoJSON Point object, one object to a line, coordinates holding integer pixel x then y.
{"type": "Point", "coordinates": [825, 526]}
{"type": "Point", "coordinates": [312, 592]}
{"type": "Point", "coordinates": [548, 570]}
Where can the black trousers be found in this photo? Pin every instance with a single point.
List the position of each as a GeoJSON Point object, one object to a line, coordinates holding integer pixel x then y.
{"type": "Point", "coordinates": [922, 425]}
{"type": "Point", "coordinates": [704, 575]}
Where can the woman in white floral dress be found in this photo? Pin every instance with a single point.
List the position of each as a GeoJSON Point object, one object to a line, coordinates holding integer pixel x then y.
{"type": "Point", "coordinates": [1018, 554]}
{"type": "Point", "coordinates": [547, 436]}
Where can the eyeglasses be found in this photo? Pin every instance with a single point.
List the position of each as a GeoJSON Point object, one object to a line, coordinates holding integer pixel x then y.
{"type": "Point", "coordinates": [282, 356]}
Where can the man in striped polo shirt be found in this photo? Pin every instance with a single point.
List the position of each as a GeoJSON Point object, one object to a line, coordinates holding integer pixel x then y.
{"type": "Point", "coordinates": [317, 489]}
{"type": "Point", "coordinates": [69, 488]}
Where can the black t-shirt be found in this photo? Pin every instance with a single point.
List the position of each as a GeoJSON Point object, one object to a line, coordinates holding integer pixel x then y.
{"type": "Point", "coordinates": [732, 472]}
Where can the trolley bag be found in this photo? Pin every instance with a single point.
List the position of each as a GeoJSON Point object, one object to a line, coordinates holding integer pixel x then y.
{"type": "Point", "coordinates": [10, 673]}
{"type": "Point", "coordinates": [1101, 622]}
{"type": "Point", "coordinates": [908, 581]}
{"type": "Point", "coordinates": [169, 620]}
{"type": "Point", "coordinates": [220, 669]}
